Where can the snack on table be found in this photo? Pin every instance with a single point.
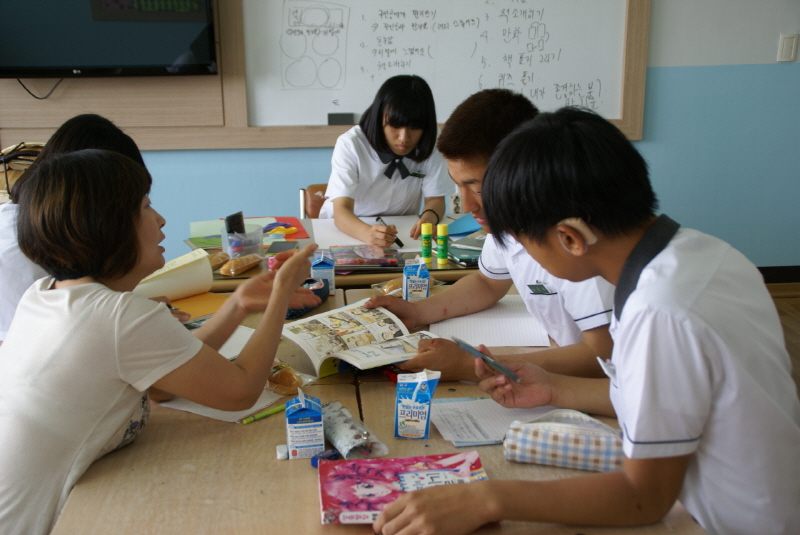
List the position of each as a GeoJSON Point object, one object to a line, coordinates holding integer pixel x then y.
{"type": "Point", "coordinates": [240, 265]}
{"type": "Point", "coordinates": [393, 287]}
{"type": "Point", "coordinates": [284, 380]}
{"type": "Point", "coordinates": [217, 260]}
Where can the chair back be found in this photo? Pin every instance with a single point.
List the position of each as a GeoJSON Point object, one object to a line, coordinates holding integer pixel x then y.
{"type": "Point", "coordinates": [311, 200]}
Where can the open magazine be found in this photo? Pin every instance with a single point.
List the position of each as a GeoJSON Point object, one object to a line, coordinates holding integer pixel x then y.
{"type": "Point", "coordinates": [365, 338]}
{"type": "Point", "coordinates": [355, 491]}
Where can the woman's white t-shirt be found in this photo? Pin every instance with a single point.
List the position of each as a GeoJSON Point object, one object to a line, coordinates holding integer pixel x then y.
{"type": "Point", "coordinates": [74, 371]}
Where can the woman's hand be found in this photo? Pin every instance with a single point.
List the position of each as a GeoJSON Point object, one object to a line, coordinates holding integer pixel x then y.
{"type": "Point", "coordinates": [254, 293]}
{"type": "Point", "coordinates": [295, 269]}
{"type": "Point", "coordinates": [534, 389]}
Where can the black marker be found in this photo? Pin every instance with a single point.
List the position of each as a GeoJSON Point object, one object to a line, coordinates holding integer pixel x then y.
{"type": "Point", "coordinates": [396, 239]}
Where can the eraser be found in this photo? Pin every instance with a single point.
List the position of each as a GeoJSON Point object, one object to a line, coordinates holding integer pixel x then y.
{"type": "Point", "coordinates": [282, 452]}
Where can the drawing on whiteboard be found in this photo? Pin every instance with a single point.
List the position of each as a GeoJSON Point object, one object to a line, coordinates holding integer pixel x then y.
{"type": "Point", "coordinates": [313, 45]}
{"type": "Point", "coordinates": [555, 52]}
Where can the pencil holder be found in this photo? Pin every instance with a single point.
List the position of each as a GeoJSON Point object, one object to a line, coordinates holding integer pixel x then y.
{"type": "Point", "coordinates": [250, 242]}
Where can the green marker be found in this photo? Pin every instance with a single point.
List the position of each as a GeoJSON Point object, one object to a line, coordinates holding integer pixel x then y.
{"type": "Point", "coordinates": [264, 414]}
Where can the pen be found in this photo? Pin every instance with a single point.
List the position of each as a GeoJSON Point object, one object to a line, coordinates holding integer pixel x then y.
{"type": "Point", "coordinates": [380, 220]}
{"type": "Point", "coordinates": [264, 414]}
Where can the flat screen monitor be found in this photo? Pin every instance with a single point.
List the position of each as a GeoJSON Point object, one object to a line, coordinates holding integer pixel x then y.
{"type": "Point", "coordinates": [82, 38]}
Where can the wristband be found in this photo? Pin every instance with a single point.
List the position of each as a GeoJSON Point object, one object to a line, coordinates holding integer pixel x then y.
{"type": "Point", "coordinates": [433, 212]}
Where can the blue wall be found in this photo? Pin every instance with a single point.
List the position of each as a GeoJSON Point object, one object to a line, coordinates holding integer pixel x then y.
{"type": "Point", "coordinates": [722, 143]}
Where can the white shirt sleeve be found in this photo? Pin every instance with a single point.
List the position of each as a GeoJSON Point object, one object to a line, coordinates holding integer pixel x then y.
{"type": "Point", "coordinates": [492, 261]}
{"type": "Point", "coordinates": [150, 342]}
{"type": "Point", "coordinates": [661, 389]}
{"type": "Point", "coordinates": [437, 182]}
{"type": "Point", "coordinates": [344, 169]}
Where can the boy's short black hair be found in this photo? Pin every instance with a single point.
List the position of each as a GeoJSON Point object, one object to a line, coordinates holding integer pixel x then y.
{"type": "Point", "coordinates": [404, 100]}
{"type": "Point", "coordinates": [480, 123]}
{"type": "Point", "coordinates": [79, 213]}
{"type": "Point", "coordinates": [85, 131]}
{"type": "Point", "coordinates": [569, 163]}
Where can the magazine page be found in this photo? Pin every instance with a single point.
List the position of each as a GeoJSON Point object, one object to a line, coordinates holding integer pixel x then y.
{"type": "Point", "coordinates": [349, 327]}
{"type": "Point", "coordinates": [388, 352]}
{"type": "Point", "coordinates": [355, 491]}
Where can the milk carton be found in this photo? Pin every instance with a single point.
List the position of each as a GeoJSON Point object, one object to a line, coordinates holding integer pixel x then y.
{"type": "Point", "coordinates": [413, 403]}
{"type": "Point", "coordinates": [322, 268]}
{"type": "Point", "coordinates": [416, 280]}
{"type": "Point", "coordinates": [304, 433]}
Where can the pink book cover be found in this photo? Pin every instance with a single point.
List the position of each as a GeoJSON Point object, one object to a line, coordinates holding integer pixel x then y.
{"type": "Point", "coordinates": [355, 491]}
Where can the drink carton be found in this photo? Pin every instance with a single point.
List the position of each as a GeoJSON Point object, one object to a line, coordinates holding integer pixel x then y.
{"type": "Point", "coordinates": [416, 281]}
{"type": "Point", "coordinates": [304, 433]}
{"type": "Point", "coordinates": [322, 268]}
{"type": "Point", "coordinates": [413, 403]}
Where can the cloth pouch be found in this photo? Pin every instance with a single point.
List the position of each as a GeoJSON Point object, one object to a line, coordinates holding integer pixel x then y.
{"type": "Point", "coordinates": [567, 439]}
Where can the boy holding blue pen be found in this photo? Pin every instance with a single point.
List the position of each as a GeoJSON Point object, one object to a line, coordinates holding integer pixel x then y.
{"type": "Point", "coordinates": [699, 377]}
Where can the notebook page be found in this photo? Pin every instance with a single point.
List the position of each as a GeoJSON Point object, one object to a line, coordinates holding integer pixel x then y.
{"type": "Point", "coordinates": [507, 323]}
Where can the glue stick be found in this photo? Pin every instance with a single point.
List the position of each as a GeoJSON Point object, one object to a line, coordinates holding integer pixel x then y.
{"type": "Point", "coordinates": [441, 243]}
{"type": "Point", "coordinates": [426, 237]}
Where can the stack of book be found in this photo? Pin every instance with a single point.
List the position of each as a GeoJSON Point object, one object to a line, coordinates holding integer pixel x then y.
{"type": "Point", "coordinates": [465, 251]}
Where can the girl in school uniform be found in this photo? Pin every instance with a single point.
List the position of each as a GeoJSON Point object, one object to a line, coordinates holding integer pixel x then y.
{"type": "Point", "coordinates": [83, 350]}
{"type": "Point", "coordinates": [388, 163]}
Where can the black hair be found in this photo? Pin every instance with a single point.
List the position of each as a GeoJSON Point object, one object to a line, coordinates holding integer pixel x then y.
{"type": "Point", "coordinates": [85, 131]}
{"type": "Point", "coordinates": [79, 213]}
{"type": "Point", "coordinates": [404, 100]}
{"type": "Point", "coordinates": [569, 163]}
{"type": "Point", "coordinates": [480, 123]}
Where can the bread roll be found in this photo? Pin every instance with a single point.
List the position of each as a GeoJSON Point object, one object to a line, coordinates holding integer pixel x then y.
{"type": "Point", "coordinates": [217, 260]}
{"type": "Point", "coordinates": [284, 381]}
{"type": "Point", "coordinates": [239, 265]}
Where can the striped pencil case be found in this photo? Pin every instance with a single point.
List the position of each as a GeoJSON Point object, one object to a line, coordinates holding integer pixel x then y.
{"type": "Point", "coordinates": [567, 439]}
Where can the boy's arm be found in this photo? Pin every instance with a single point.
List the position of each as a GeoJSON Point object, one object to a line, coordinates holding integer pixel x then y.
{"type": "Point", "coordinates": [473, 293]}
{"type": "Point", "coordinates": [457, 365]}
{"type": "Point", "coordinates": [642, 492]}
{"type": "Point", "coordinates": [431, 203]}
{"type": "Point", "coordinates": [579, 359]}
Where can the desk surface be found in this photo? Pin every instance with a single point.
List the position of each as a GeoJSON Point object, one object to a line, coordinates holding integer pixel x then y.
{"type": "Point", "coordinates": [451, 273]}
{"type": "Point", "coordinates": [192, 475]}
{"type": "Point", "coordinates": [187, 474]}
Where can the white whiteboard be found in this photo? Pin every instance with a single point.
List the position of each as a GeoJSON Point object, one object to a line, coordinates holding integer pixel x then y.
{"type": "Point", "coordinates": [308, 58]}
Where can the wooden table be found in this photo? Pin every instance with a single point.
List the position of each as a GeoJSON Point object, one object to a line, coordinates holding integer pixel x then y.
{"type": "Point", "coordinates": [377, 404]}
{"type": "Point", "coordinates": [449, 273]}
{"type": "Point", "coordinates": [191, 475]}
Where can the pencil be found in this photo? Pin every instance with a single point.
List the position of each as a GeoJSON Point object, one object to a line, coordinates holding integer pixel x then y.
{"type": "Point", "coordinates": [264, 414]}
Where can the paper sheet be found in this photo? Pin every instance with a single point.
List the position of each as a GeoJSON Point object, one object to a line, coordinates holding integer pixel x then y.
{"type": "Point", "coordinates": [184, 276]}
{"type": "Point", "coordinates": [326, 233]}
{"type": "Point", "coordinates": [229, 350]}
{"type": "Point", "coordinates": [477, 421]}
{"type": "Point", "coordinates": [508, 323]}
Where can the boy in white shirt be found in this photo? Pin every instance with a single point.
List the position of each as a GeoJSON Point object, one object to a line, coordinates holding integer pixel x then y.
{"type": "Point", "coordinates": [575, 314]}
{"type": "Point", "coordinates": [699, 377]}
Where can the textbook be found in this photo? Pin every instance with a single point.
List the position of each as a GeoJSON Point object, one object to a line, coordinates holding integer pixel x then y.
{"type": "Point", "coordinates": [364, 338]}
{"type": "Point", "coordinates": [355, 491]}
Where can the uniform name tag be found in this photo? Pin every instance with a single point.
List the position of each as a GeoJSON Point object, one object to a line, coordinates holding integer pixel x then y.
{"type": "Point", "coordinates": [540, 289]}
